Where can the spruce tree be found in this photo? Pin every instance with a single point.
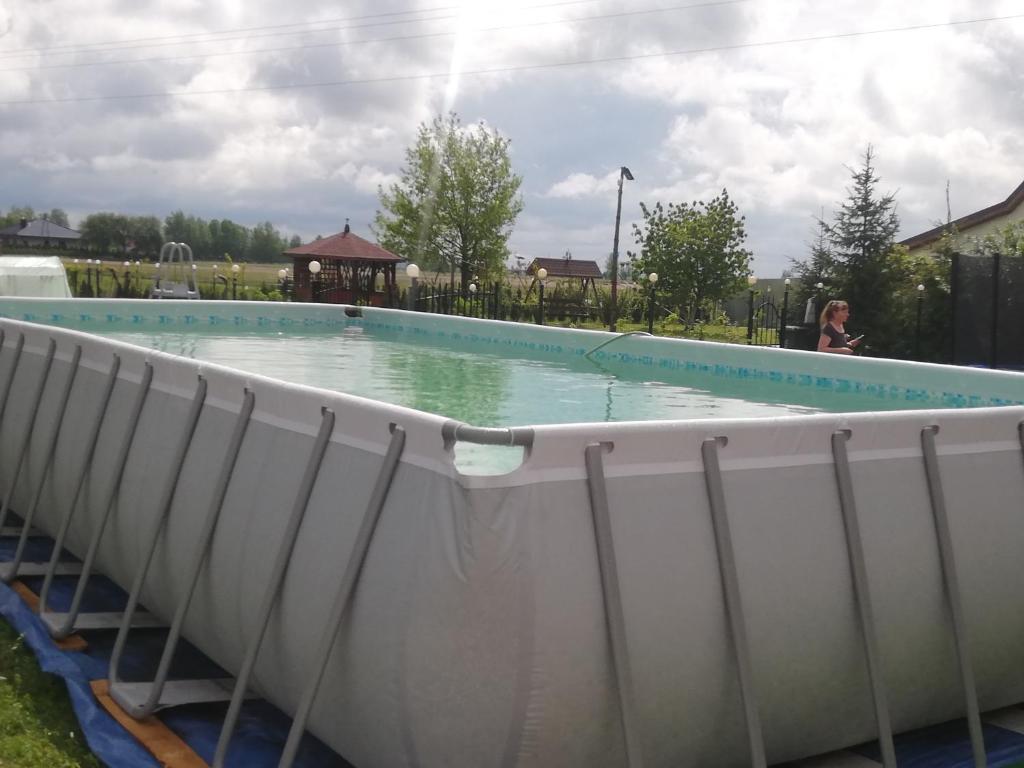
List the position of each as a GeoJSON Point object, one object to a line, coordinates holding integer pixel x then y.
{"type": "Point", "coordinates": [862, 237]}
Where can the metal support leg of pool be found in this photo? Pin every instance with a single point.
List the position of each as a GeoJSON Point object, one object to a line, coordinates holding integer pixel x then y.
{"type": "Point", "coordinates": [18, 345]}
{"type": "Point", "coordinates": [62, 624]}
{"type": "Point", "coordinates": [952, 585]}
{"type": "Point", "coordinates": [614, 616]}
{"type": "Point", "coordinates": [13, 567]}
{"type": "Point", "coordinates": [62, 530]}
{"type": "Point", "coordinates": [862, 595]}
{"type": "Point", "coordinates": [1020, 436]}
{"type": "Point", "coordinates": [23, 449]}
{"type": "Point", "coordinates": [127, 694]}
{"type": "Point", "coordinates": [733, 603]}
{"type": "Point", "coordinates": [273, 590]}
{"type": "Point", "coordinates": [349, 581]}
{"type": "Point", "coordinates": [155, 690]}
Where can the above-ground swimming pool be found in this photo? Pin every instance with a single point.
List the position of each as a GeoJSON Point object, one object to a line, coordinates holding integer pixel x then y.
{"type": "Point", "coordinates": [705, 554]}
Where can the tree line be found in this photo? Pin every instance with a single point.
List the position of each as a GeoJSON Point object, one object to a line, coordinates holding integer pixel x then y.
{"type": "Point", "coordinates": [457, 198]}
{"type": "Point", "coordinates": [143, 236]}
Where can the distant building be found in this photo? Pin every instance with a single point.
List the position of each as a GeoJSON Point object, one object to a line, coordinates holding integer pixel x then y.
{"type": "Point", "coordinates": [39, 233]}
{"type": "Point", "coordinates": [987, 221]}
{"type": "Point", "coordinates": [349, 266]}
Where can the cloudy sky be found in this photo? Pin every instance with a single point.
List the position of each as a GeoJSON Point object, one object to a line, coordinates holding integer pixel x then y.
{"type": "Point", "coordinates": [296, 112]}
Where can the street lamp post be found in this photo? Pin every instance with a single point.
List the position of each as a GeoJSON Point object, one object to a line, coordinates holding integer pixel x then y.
{"type": "Point", "coordinates": [234, 281]}
{"type": "Point", "coordinates": [751, 282]}
{"type": "Point", "coordinates": [314, 271]}
{"type": "Point", "coordinates": [917, 331]}
{"type": "Point", "coordinates": [541, 276]}
{"type": "Point", "coordinates": [652, 279]}
{"type": "Point", "coordinates": [413, 273]}
{"type": "Point", "coordinates": [613, 317]}
{"type": "Point", "coordinates": [472, 298]}
{"type": "Point", "coordinates": [282, 281]}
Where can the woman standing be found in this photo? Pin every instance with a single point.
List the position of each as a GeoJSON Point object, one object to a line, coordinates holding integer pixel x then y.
{"type": "Point", "coordinates": [834, 337]}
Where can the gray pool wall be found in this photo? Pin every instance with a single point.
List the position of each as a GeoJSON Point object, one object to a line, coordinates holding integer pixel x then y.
{"type": "Point", "coordinates": [477, 633]}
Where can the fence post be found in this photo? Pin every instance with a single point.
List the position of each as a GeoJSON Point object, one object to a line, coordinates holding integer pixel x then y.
{"type": "Point", "coordinates": [917, 328]}
{"type": "Point", "coordinates": [785, 318]}
{"type": "Point", "coordinates": [954, 290]}
{"type": "Point", "coordinates": [994, 360]}
{"type": "Point", "coordinates": [650, 310]}
{"type": "Point", "coordinates": [497, 301]}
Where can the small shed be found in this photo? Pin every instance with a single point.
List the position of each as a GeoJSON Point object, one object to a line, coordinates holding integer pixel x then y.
{"type": "Point", "coordinates": [587, 272]}
{"type": "Point", "coordinates": [349, 268]}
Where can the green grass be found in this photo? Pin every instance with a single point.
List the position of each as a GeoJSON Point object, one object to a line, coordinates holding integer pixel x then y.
{"type": "Point", "coordinates": [38, 728]}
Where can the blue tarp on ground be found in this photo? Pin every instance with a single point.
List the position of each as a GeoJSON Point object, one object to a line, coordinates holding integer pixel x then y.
{"type": "Point", "coordinates": [108, 740]}
{"type": "Point", "coordinates": [948, 745]}
{"type": "Point", "coordinates": [261, 731]}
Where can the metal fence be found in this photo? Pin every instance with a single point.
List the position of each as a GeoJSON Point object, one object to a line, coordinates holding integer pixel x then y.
{"type": "Point", "coordinates": [501, 302]}
{"type": "Point", "coordinates": [987, 295]}
{"type": "Point", "coordinates": [767, 320]}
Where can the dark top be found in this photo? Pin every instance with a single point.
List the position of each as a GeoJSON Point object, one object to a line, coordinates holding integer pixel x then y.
{"type": "Point", "coordinates": [836, 339]}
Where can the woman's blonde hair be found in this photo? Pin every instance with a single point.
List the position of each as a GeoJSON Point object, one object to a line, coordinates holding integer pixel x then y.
{"type": "Point", "coordinates": [830, 310]}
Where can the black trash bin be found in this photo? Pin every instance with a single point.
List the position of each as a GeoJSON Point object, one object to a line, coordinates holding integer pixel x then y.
{"type": "Point", "coordinates": [802, 337]}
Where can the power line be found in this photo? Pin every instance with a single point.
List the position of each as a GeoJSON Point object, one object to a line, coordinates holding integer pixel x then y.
{"type": "Point", "coordinates": [389, 23]}
{"type": "Point", "coordinates": [73, 46]}
{"type": "Point", "coordinates": [249, 34]}
{"type": "Point", "coordinates": [517, 68]}
{"type": "Point", "coordinates": [399, 38]}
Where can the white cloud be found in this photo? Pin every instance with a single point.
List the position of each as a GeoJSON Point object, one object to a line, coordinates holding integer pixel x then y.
{"type": "Point", "coordinates": [577, 185]}
{"type": "Point", "coordinates": [774, 124]}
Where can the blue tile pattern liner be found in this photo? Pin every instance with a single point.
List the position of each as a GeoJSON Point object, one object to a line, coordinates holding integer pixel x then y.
{"type": "Point", "coordinates": [916, 384]}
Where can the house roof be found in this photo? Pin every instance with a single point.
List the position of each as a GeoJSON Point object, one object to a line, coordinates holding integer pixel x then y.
{"type": "Point", "coordinates": [566, 267]}
{"type": "Point", "coordinates": [41, 228]}
{"type": "Point", "coordinates": [1009, 205]}
{"type": "Point", "coordinates": [344, 246]}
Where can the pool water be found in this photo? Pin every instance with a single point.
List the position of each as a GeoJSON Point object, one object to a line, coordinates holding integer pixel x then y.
{"type": "Point", "coordinates": [487, 389]}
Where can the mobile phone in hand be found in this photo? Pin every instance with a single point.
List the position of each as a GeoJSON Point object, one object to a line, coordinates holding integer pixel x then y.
{"type": "Point", "coordinates": [858, 338]}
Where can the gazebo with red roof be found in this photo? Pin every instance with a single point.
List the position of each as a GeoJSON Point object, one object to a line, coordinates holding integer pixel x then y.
{"type": "Point", "coordinates": [587, 272]}
{"type": "Point", "coordinates": [349, 266]}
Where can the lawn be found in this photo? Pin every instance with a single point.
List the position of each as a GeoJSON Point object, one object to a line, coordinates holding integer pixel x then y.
{"type": "Point", "coordinates": [38, 728]}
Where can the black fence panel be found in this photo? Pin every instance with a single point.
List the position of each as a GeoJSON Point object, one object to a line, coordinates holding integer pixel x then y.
{"type": "Point", "coordinates": [987, 296]}
{"type": "Point", "coordinates": [1009, 333]}
{"type": "Point", "coordinates": [973, 308]}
